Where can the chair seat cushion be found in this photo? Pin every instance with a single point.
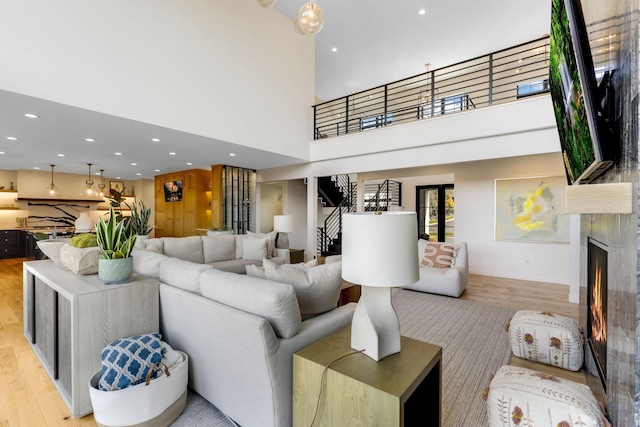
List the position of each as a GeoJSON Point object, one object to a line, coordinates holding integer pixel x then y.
{"type": "Point", "coordinates": [547, 338]}
{"type": "Point", "coordinates": [522, 397]}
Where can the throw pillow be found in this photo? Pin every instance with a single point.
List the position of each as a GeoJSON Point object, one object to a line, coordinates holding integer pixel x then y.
{"type": "Point", "coordinates": [254, 249]}
{"type": "Point", "coordinates": [126, 361]}
{"type": "Point", "coordinates": [275, 302]}
{"type": "Point", "coordinates": [271, 240]}
{"type": "Point", "coordinates": [255, 271]}
{"type": "Point", "coordinates": [317, 288]}
{"type": "Point", "coordinates": [147, 262]}
{"type": "Point", "coordinates": [186, 248]}
{"type": "Point", "coordinates": [182, 274]}
{"type": "Point", "coordinates": [439, 255]}
{"type": "Point", "coordinates": [218, 248]}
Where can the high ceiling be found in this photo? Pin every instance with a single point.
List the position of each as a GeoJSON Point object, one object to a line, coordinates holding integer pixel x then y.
{"type": "Point", "coordinates": [376, 42]}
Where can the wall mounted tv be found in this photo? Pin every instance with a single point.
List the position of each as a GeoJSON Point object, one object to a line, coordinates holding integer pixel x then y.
{"type": "Point", "coordinates": [173, 191]}
{"type": "Point", "coordinates": [587, 137]}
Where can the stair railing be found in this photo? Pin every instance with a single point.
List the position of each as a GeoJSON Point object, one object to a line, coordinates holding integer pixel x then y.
{"type": "Point", "coordinates": [332, 228]}
{"type": "Point", "coordinates": [386, 194]}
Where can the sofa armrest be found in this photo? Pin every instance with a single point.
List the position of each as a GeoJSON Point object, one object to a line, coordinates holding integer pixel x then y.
{"type": "Point", "coordinates": [284, 253]}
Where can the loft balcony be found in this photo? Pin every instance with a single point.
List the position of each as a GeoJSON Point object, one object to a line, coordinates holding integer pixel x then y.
{"type": "Point", "coordinates": [497, 78]}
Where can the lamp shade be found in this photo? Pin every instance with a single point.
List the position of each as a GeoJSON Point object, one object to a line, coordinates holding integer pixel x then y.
{"type": "Point", "coordinates": [283, 223]}
{"type": "Point", "coordinates": [380, 248]}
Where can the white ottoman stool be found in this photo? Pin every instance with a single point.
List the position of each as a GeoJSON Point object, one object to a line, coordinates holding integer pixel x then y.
{"type": "Point", "coordinates": [546, 338]}
{"type": "Point", "coordinates": [521, 397]}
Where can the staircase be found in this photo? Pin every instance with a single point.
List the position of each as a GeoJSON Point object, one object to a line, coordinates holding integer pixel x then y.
{"type": "Point", "coordinates": [380, 197]}
{"type": "Point", "coordinates": [335, 191]}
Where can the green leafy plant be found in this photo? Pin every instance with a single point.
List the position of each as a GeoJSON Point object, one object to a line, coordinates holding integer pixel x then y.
{"type": "Point", "coordinates": [86, 240]}
{"type": "Point", "coordinates": [115, 238]}
{"type": "Point", "coordinates": [116, 199]}
{"type": "Point", "coordinates": [140, 216]}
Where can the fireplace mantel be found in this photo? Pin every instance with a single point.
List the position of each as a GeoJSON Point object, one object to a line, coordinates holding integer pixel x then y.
{"type": "Point", "coordinates": [615, 198]}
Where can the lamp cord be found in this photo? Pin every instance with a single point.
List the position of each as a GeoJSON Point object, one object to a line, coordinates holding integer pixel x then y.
{"type": "Point", "coordinates": [324, 371]}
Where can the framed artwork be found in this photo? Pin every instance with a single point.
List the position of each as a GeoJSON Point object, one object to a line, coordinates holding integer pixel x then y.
{"type": "Point", "coordinates": [116, 185]}
{"type": "Point", "coordinates": [526, 209]}
{"type": "Point", "coordinates": [173, 191]}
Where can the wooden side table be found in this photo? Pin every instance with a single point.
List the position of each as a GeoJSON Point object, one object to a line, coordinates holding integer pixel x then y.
{"type": "Point", "coordinates": [403, 389]}
{"type": "Point", "coordinates": [349, 292]}
{"type": "Point", "coordinates": [296, 256]}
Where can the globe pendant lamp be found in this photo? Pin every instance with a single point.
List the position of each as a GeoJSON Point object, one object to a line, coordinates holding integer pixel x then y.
{"type": "Point", "coordinates": [310, 19]}
{"type": "Point", "coordinates": [52, 190]}
{"type": "Point", "coordinates": [89, 190]}
{"type": "Point", "coordinates": [267, 3]}
{"type": "Point", "coordinates": [101, 186]}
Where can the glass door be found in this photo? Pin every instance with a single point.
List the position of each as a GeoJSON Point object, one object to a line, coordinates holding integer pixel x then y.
{"type": "Point", "coordinates": [435, 209]}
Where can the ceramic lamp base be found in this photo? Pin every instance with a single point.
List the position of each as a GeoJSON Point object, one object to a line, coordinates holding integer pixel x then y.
{"type": "Point", "coordinates": [375, 327]}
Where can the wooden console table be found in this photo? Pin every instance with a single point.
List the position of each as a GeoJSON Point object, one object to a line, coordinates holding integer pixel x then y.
{"type": "Point", "coordinates": [68, 319]}
{"type": "Point", "coordinates": [403, 389]}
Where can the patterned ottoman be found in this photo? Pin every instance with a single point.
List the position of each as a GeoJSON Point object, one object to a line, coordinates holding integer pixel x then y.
{"type": "Point", "coordinates": [546, 338]}
{"type": "Point", "coordinates": [522, 397]}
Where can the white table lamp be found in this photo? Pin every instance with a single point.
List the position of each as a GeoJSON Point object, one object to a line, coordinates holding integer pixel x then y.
{"type": "Point", "coordinates": [282, 224]}
{"type": "Point", "coordinates": [378, 252]}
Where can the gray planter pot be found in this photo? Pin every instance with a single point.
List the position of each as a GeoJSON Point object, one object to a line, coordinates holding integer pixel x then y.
{"type": "Point", "coordinates": [115, 270]}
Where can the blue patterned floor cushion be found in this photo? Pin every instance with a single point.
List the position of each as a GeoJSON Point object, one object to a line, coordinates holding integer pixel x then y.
{"type": "Point", "coordinates": [126, 361]}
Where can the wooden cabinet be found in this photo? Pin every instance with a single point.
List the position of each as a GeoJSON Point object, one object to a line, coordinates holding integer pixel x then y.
{"type": "Point", "coordinates": [68, 319]}
{"type": "Point", "coordinates": [403, 389]}
{"type": "Point", "coordinates": [11, 244]}
{"type": "Point", "coordinates": [182, 218]}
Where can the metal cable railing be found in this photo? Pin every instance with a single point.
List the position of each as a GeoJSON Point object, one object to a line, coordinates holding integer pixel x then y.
{"type": "Point", "coordinates": [496, 78]}
{"type": "Point", "coordinates": [328, 234]}
{"type": "Point", "coordinates": [379, 197]}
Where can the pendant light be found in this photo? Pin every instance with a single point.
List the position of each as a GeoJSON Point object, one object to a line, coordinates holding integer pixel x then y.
{"type": "Point", "coordinates": [89, 190]}
{"type": "Point", "coordinates": [52, 190]}
{"type": "Point", "coordinates": [310, 19]}
{"type": "Point", "coordinates": [101, 186]}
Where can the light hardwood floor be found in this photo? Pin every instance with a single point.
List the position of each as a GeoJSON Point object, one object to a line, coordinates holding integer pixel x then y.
{"type": "Point", "coordinates": [28, 398]}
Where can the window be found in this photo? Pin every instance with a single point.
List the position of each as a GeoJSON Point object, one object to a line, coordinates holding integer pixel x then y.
{"type": "Point", "coordinates": [375, 121]}
{"type": "Point", "coordinates": [435, 208]}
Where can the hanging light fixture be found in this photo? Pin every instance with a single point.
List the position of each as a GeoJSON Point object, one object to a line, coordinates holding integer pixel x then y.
{"type": "Point", "coordinates": [310, 19]}
{"type": "Point", "coordinates": [267, 3]}
{"type": "Point", "coordinates": [101, 186]}
{"type": "Point", "coordinates": [89, 190]}
{"type": "Point", "coordinates": [52, 190]}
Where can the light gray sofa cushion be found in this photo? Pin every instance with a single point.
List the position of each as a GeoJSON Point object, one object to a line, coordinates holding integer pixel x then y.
{"type": "Point", "coordinates": [147, 262]}
{"type": "Point", "coordinates": [182, 274]}
{"type": "Point", "coordinates": [275, 302]}
{"type": "Point", "coordinates": [317, 288]}
{"type": "Point", "coordinates": [255, 249]}
{"type": "Point", "coordinates": [185, 248]}
{"type": "Point", "coordinates": [218, 248]}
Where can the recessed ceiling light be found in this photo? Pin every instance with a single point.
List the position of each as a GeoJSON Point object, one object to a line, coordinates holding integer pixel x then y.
{"type": "Point", "coordinates": [232, 154]}
{"type": "Point", "coordinates": [157, 170]}
{"type": "Point", "coordinates": [36, 168]}
{"type": "Point", "coordinates": [31, 116]}
{"type": "Point", "coordinates": [89, 139]}
{"type": "Point", "coordinates": [155, 139]}
{"type": "Point", "coordinates": [12, 138]}
{"type": "Point", "coordinates": [172, 153]}
{"type": "Point", "coordinates": [60, 155]}
{"type": "Point", "coordinates": [422, 12]}
{"type": "Point", "coordinates": [139, 174]}
{"type": "Point", "coordinates": [1, 152]}
{"type": "Point", "coordinates": [334, 49]}
{"type": "Point", "coordinates": [118, 154]}
{"type": "Point", "coordinates": [134, 164]}
{"type": "Point", "coordinates": [189, 164]}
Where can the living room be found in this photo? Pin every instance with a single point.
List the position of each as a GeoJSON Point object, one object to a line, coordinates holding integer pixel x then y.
{"type": "Point", "coordinates": [164, 95]}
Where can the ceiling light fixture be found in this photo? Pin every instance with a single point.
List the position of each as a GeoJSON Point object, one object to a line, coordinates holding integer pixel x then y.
{"type": "Point", "coordinates": [267, 3]}
{"type": "Point", "coordinates": [89, 139]}
{"type": "Point", "coordinates": [12, 138]}
{"type": "Point", "coordinates": [232, 154]}
{"type": "Point", "coordinates": [31, 116]}
{"type": "Point", "coordinates": [60, 155]}
{"type": "Point", "coordinates": [155, 139]}
{"type": "Point", "coordinates": [172, 153]}
{"type": "Point", "coordinates": [309, 20]}
{"type": "Point", "coordinates": [101, 186]}
{"type": "Point", "coordinates": [118, 154]}
{"type": "Point", "coordinates": [52, 190]}
{"type": "Point", "coordinates": [88, 190]}
{"type": "Point", "coordinates": [2, 152]}
{"type": "Point", "coordinates": [422, 12]}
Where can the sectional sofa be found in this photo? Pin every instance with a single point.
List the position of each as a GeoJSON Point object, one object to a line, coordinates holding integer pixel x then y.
{"type": "Point", "coordinates": [239, 331]}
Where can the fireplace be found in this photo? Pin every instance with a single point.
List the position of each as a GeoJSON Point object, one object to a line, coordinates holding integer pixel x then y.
{"type": "Point", "coordinates": [597, 306]}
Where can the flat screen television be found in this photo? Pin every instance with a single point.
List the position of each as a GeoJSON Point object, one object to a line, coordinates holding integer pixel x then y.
{"type": "Point", "coordinates": [585, 138]}
{"type": "Point", "coordinates": [173, 191]}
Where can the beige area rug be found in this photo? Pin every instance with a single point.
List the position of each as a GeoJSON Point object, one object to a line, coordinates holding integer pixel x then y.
{"type": "Point", "coordinates": [474, 345]}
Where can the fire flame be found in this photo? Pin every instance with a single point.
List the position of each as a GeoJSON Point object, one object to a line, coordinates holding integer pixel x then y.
{"type": "Point", "coordinates": [598, 322]}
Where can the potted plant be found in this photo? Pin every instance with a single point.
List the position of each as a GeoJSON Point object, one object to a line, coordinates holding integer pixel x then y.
{"type": "Point", "coordinates": [115, 240]}
{"type": "Point", "coordinates": [139, 219]}
{"type": "Point", "coordinates": [217, 231]}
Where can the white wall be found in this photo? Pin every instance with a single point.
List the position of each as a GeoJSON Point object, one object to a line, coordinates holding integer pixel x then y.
{"type": "Point", "coordinates": [197, 66]}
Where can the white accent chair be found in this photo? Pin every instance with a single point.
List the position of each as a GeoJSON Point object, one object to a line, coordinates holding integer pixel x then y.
{"type": "Point", "coordinates": [443, 281]}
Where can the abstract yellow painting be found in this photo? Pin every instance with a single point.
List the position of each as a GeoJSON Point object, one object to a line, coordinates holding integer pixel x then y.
{"type": "Point", "coordinates": [527, 209]}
